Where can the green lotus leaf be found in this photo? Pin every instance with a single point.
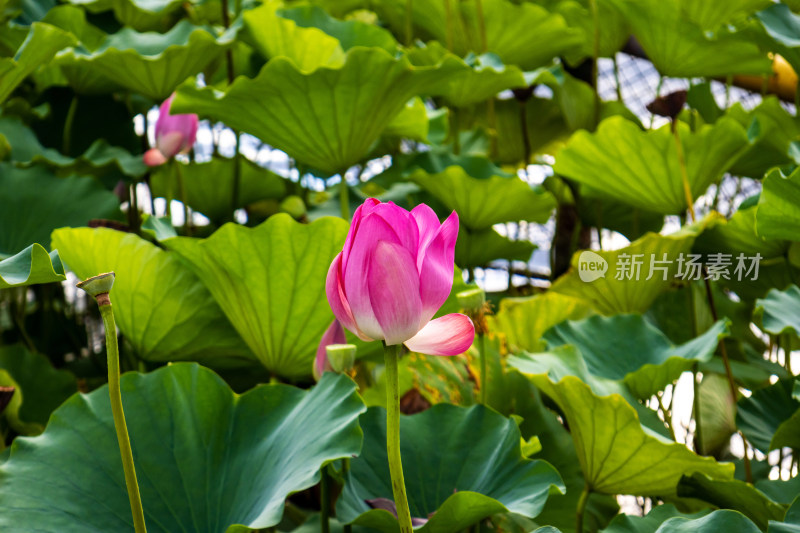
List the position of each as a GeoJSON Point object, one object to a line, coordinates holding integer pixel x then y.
{"type": "Point", "coordinates": [776, 129]}
{"type": "Point", "coordinates": [782, 491]}
{"type": "Point", "coordinates": [270, 283]}
{"type": "Point", "coordinates": [195, 444]}
{"type": "Point", "coordinates": [43, 202]}
{"type": "Point", "coordinates": [717, 412]}
{"type": "Point", "coordinates": [609, 295]}
{"type": "Point", "coordinates": [141, 15]}
{"type": "Point", "coordinates": [630, 222]}
{"type": "Point", "coordinates": [760, 415]}
{"type": "Point", "coordinates": [627, 348]}
{"type": "Point", "coordinates": [41, 388]}
{"type": "Point", "coordinates": [150, 63]}
{"type": "Point", "coordinates": [732, 494]}
{"type": "Point", "coordinates": [781, 26]}
{"type": "Point", "coordinates": [31, 266]}
{"type": "Point", "coordinates": [777, 313]}
{"type": "Point", "coordinates": [39, 47]}
{"type": "Point", "coordinates": [681, 48]}
{"type": "Point", "coordinates": [711, 15]}
{"type": "Point", "coordinates": [481, 203]}
{"type": "Point", "coordinates": [617, 455]}
{"type": "Point", "coordinates": [526, 35]}
{"type": "Point", "coordinates": [349, 33]}
{"type": "Point", "coordinates": [410, 123]}
{"type": "Point", "coordinates": [479, 248]}
{"type": "Point", "coordinates": [778, 216]}
{"type": "Point", "coordinates": [209, 186]}
{"type": "Point", "coordinates": [624, 523]}
{"type": "Point", "coordinates": [275, 36]}
{"type": "Point", "coordinates": [613, 33]}
{"type": "Point", "coordinates": [327, 118]}
{"type": "Point", "coordinates": [720, 520]}
{"type": "Point", "coordinates": [788, 433]}
{"type": "Point", "coordinates": [737, 236]}
{"type": "Point", "coordinates": [26, 150]}
{"type": "Point", "coordinates": [162, 308]}
{"type": "Point", "coordinates": [640, 168]}
{"type": "Point", "coordinates": [524, 320]}
{"type": "Point", "coordinates": [477, 471]}
{"type": "Point", "coordinates": [482, 78]}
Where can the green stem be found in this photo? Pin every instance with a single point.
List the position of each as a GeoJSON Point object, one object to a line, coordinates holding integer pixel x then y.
{"type": "Point", "coordinates": [115, 394]}
{"type": "Point", "coordinates": [581, 510]}
{"type": "Point", "coordinates": [325, 500]}
{"type": "Point", "coordinates": [484, 367]}
{"type": "Point", "coordinates": [66, 136]}
{"type": "Point", "coordinates": [344, 198]}
{"type": "Point", "coordinates": [595, 57]}
{"type": "Point", "coordinates": [391, 357]}
{"type": "Point", "coordinates": [187, 219]}
{"type": "Point", "coordinates": [409, 22]}
{"type": "Point", "coordinates": [237, 180]}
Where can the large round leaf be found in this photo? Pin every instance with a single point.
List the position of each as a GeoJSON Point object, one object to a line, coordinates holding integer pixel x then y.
{"type": "Point", "coordinates": [142, 15]}
{"type": "Point", "coordinates": [721, 520]}
{"type": "Point", "coordinates": [39, 47]}
{"type": "Point", "coordinates": [481, 203]}
{"type": "Point", "coordinates": [779, 312]}
{"type": "Point", "coordinates": [460, 465]}
{"type": "Point", "coordinates": [737, 236]}
{"type": "Point", "coordinates": [617, 455]}
{"type": "Point", "coordinates": [778, 215]}
{"type": "Point", "coordinates": [624, 523]}
{"type": "Point", "coordinates": [31, 266]}
{"type": "Point", "coordinates": [209, 186]}
{"type": "Point", "coordinates": [524, 320]}
{"type": "Point", "coordinates": [627, 348]}
{"type": "Point", "coordinates": [624, 163]}
{"type": "Point", "coordinates": [152, 64]}
{"type": "Point", "coordinates": [761, 415]}
{"type": "Point", "coordinates": [624, 288]}
{"type": "Point", "coordinates": [43, 202]}
{"type": "Point", "coordinates": [206, 459]}
{"type": "Point", "coordinates": [479, 248]}
{"type": "Point", "coordinates": [520, 34]}
{"type": "Point", "coordinates": [163, 309]}
{"type": "Point", "coordinates": [327, 118]}
{"type": "Point", "coordinates": [270, 283]}
{"type": "Point", "coordinates": [680, 47]}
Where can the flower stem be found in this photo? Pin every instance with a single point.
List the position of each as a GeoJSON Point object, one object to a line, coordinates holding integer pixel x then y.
{"type": "Point", "coordinates": [119, 416]}
{"type": "Point", "coordinates": [324, 500]}
{"type": "Point", "coordinates": [187, 218]}
{"type": "Point", "coordinates": [391, 356]}
{"type": "Point", "coordinates": [66, 136]}
{"type": "Point", "coordinates": [484, 367]}
{"type": "Point", "coordinates": [581, 510]}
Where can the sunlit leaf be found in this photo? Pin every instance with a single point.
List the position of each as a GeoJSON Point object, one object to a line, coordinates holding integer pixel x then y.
{"type": "Point", "coordinates": [524, 320]}
{"type": "Point", "coordinates": [39, 47]}
{"type": "Point", "coordinates": [616, 454]}
{"type": "Point", "coordinates": [150, 63]}
{"type": "Point", "coordinates": [195, 445]}
{"type": "Point", "coordinates": [162, 308]}
{"type": "Point", "coordinates": [141, 15]}
{"type": "Point", "coordinates": [640, 168]}
{"type": "Point", "coordinates": [349, 33]}
{"type": "Point", "coordinates": [624, 523]}
{"type": "Point", "coordinates": [270, 283]}
{"type": "Point", "coordinates": [327, 118]}
{"type": "Point", "coordinates": [474, 473]}
{"type": "Point", "coordinates": [680, 47]}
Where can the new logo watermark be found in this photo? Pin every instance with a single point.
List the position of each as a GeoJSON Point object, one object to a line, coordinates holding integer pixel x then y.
{"type": "Point", "coordinates": [591, 266]}
{"type": "Point", "coordinates": [687, 267]}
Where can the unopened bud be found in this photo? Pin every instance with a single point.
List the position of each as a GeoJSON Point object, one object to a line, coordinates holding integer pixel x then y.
{"type": "Point", "coordinates": [341, 357]}
{"type": "Point", "coordinates": [471, 300]}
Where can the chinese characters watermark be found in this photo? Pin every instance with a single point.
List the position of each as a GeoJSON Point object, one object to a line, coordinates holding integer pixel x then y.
{"type": "Point", "coordinates": [686, 267]}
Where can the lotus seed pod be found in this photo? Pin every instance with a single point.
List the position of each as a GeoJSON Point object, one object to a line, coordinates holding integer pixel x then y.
{"type": "Point", "coordinates": [341, 357]}
{"type": "Point", "coordinates": [471, 300]}
{"type": "Point", "coordinates": [99, 284]}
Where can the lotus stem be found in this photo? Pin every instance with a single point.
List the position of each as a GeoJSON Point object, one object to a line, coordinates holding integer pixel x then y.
{"type": "Point", "coordinates": [66, 136]}
{"type": "Point", "coordinates": [581, 510]}
{"type": "Point", "coordinates": [484, 367]}
{"type": "Point", "coordinates": [324, 500]}
{"type": "Point", "coordinates": [99, 287]}
{"type": "Point", "coordinates": [687, 191]}
{"type": "Point", "coordinates": [391, 357]}
{"type": "Point", "coordinates": [187, 222]}
{"type": "Point", "coordinates": [344, 197]}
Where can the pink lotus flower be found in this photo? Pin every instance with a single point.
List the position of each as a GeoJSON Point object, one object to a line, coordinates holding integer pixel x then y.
{"type": "Point", "coordinates": [175, 134]}
{"type": "Point", "coordinates": [395, 272]}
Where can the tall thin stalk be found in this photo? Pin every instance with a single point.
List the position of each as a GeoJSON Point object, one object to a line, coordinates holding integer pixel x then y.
{"type": "Point", "coordinates": [391, 357]}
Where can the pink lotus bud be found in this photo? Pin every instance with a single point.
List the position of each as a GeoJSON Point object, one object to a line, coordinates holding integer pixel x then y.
{"type": "Point", "coordinates": [175, 134]}
{"type": "Point", "coordinates": [393, 275]}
